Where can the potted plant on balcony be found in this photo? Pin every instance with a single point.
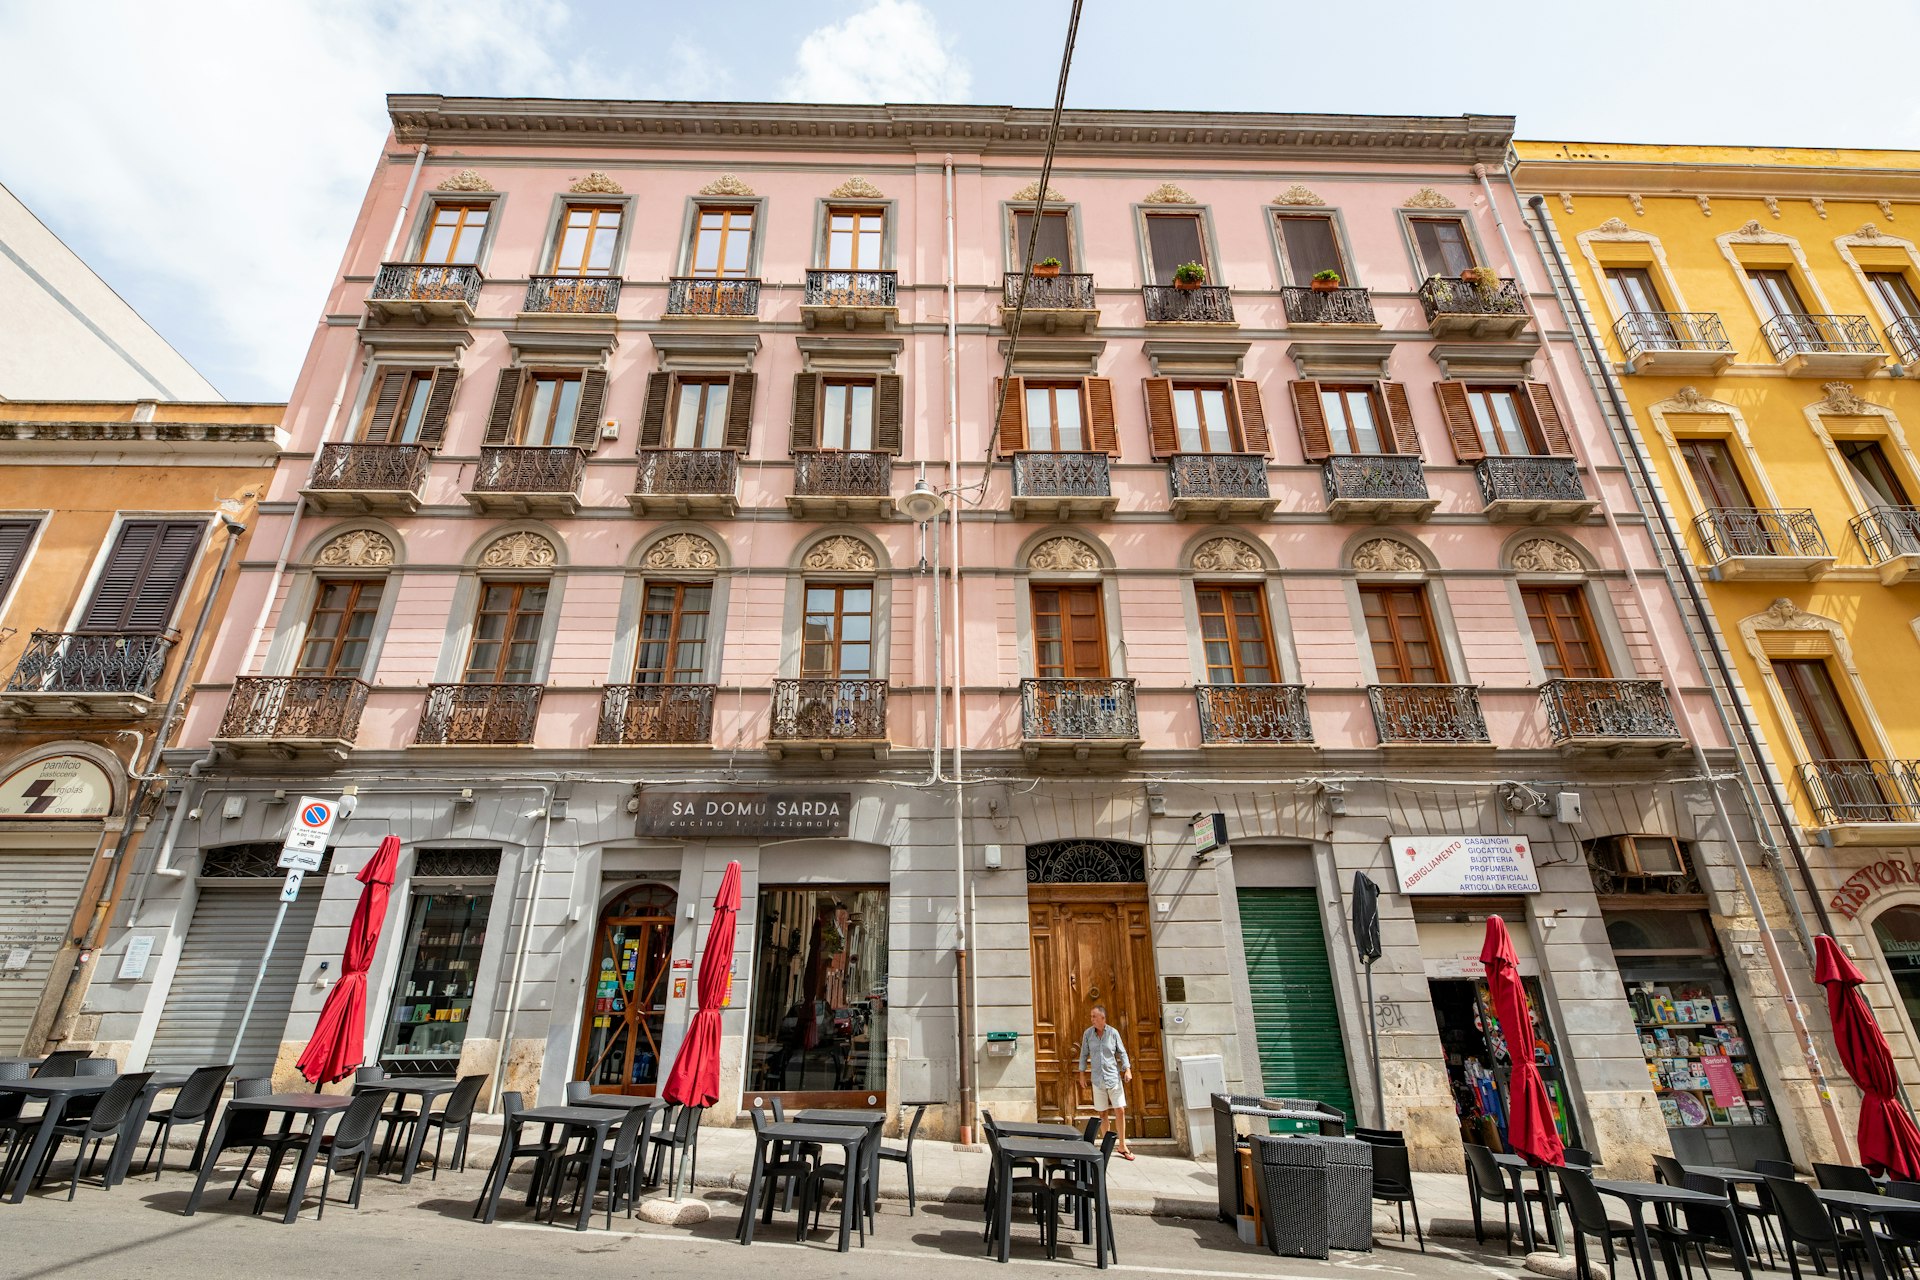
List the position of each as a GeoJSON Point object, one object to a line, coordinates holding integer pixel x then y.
{"type": "Point", "coordinates": [1047, 267]}
{"type": "Point", "coordinates": [1326, 281]}
{"type": "Point", "coordinates": [1484, 277]}
{"type": "Point", "coordinates": [1189, 275]}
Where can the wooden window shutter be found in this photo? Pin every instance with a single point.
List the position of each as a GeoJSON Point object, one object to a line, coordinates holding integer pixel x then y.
{"type": "Point", "coordinates": [433, 423]}
{"type": "Point", "coordinates": [889, 411]}
{"type": "Point", "coordinates": [1316, 444]}
{"type": "Point", "coordinates": [506, 394]}
{"type": "Point", "coordinates": [805, 431]}
{"type": "Point", "coordinates": [15, 537]}
{"type": "Point", "coordinates": [1406, 437]}
{"type": "Point", "coordinates": [1459, 415]}
{"type": "Point", "coordinates": [1553, 427]}
{"type": "Point", "coordinates": [1253, 417]}
{"type": "Point", "coordinates": [145, 572]}
{"type": "Point", "coordinates": [653, 415]}
{"type": "Point", "coordinates": [386, 402]}
{"type": "Point", "coordinates": [593, 402]}
{"type": "Point", "coordinates": [1162, 432]}
{"type": "Point", "coordinates": [1103, 429]}
{"type": "Point", "coordinates": [739, 434]}
{"type": "Point", "coordinates": [1012, 394]}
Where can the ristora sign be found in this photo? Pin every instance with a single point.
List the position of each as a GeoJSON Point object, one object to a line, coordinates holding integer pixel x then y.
{"type": "Point", "coordinates": [1464, 864]}
{"type": "Point", "coordinates": [780, 814]}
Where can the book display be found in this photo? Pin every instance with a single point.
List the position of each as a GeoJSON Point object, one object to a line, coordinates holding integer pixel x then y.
{"type": "Point", "coordinates": [427, 1020]}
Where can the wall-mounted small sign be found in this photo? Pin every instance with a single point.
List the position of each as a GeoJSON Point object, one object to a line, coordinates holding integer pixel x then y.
{"type": "Point", "coordinates": [57, 787]}
{"type": "Point", "coordinates": [134, 963]}
{"type": "Point", "coordinates": [703, 814]}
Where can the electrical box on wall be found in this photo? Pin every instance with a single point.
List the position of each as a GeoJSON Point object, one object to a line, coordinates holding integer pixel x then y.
{"type": "Point", "coordinates": [990, 856]}
{"type": "Point", "coordinates": [1566, 807]}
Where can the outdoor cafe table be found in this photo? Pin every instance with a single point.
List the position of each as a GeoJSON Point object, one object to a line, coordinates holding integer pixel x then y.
{"type": "Point", "coordinates": [1638, 1195]}
{"type": "Point", "coordinates": [426, 1088]}
{"type": "Point", "coordinates": [1515, 1169]}
{"type": "Point", "coordinates": [1866, 1206]}
{"type": "Point", "coordinates": [1016, 1129]}
{"type": "Point", "coordinates": [845, 1136]}
{"type": "Point", "coordinates": [1077, 1151]}
{"type": "Point", "coordinates": [591, 1121]}
{"type": "Point", "coordinates": [868, 1120]}
{"type": "Point", "coordinates": [317, 1107]}
{"type": "Point", "coordinates": [57, 1092]}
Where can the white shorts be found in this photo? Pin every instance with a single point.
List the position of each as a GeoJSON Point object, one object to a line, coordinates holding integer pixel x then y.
{"type": "Point", "coordinates": [1105, 1099]}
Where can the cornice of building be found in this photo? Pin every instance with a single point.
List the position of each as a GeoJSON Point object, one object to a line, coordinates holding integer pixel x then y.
{"type": "Point", "coordinates": [897, 127]}
{"type": "Point", "coordinates": [1646, 170]}
{"type": "Point", "coordinates": [262, 438]}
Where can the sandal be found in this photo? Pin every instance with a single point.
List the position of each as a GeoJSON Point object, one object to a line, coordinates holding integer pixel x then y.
{"type": "Point", "coordinates": [1126, 1155]}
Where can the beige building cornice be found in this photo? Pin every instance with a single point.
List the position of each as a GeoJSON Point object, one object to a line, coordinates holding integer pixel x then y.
{"type": "Point", "coordinates": [1579, 169]}
{"type": "Point", "coordinates": [605, 123]}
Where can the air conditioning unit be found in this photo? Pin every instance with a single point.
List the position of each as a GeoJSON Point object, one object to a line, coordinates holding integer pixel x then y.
{"type": "Point", "coordinates": [1640, 864]}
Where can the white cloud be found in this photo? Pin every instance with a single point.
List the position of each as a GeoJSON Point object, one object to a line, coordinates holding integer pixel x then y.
{"type": "Point", "coordinates": [209, 159]}
{"type": "Point", "coordinates": [890, 51]}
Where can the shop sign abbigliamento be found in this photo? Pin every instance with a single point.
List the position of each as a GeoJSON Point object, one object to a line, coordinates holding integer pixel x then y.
{"type": "Point", "coordinates": [1463, 864]}
{"type": "Point", "coordinates": [781, 814]}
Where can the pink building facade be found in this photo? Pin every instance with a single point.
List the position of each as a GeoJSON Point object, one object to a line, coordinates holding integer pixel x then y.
{"type": "Point", "coordinates": [599, 568]}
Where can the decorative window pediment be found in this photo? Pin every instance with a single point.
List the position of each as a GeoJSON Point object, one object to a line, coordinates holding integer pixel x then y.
{"type": "Point", "coordinates": [521, 550]}
{"type": "Point", "coordinates": [841, 553]}
{"type": "Point", "coordinates": [1546, 555]}
{"type": "Point", "coordinates": [1227, 555]}
{"type": "Point", "coordinates": [1387, 555]}
{"type": "Point", "coordinates": [682, 551]}
{"type": "Point", "coordinates": [357, 549]}
{"type": "Point", "coordinates": [1063, 555]}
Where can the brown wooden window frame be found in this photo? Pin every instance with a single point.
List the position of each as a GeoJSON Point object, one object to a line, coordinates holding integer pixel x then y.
{"type": "Point", "coordinates": [461, 227]}
{"type": "Point", "coordinates": [1064, 637]}
{"type": "Point", "coordinates": [1215, 600]}
{"type": "Point", "coordinates": [855, 235]}
{"type": "Point", "coordinates": [1709, 497]}
{"type": "Point", "coordinates": [1790, 674]}
{"type": "Point", "coordinates": [1395, 639]}
{"type": "Point", "coordinates": [1479, 394]}
{"type": "Point", "coordinates": [1017, 252]}
{"type": "Point", "coordinates": [1414, 223]}
{"type": "Point", "coordinates": [677, 611]}
{"type": "Point", "coordinates": [710, 427]}
{"type": "Point", "coordinates": [1556, 633]}
{"type": "Point", "coordinates": [355, 608]}
{"type": "Point", "coordinates": [725, 232]}
{"type": "Point", "coordinates": [391, 426]}
{"type": "Point", "coordinates": [836, 644]}
{"type": "Point", "coordinates": [1340, 434]}
{"type": "Point", "coordinates": [137, 589]}
{"type": "Point", "coordinates": [1340, 263]}
{"type": "Point", "coordinates": [1195, 387]}
{"type": "Point", "coordinates": [523, 432]}
{"type": "Point", "coordinates": [1162, 273]}
{"type": "Point", "coordinates": [516, 610]}
{"type": "Point", "coordinates": [871, 386]}
{"type": "Point", "coordinates": [1044, 437]}
{"type": "Point", "coordinates": [594, 233]}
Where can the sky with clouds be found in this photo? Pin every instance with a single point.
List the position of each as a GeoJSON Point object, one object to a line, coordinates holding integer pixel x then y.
{"type": "Point", "coordinates": [207, 157]}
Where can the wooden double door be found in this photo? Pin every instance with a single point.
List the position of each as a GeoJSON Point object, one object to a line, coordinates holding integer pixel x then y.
{"type": "Point", "coordinates": [1093, 944]}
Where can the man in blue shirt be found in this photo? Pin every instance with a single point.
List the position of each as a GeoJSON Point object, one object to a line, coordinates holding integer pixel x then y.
{"type": "Point", "coordinates": [1104, 1061]}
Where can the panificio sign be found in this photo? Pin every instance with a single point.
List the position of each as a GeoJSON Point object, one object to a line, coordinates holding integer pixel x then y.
{"type": "Point", "coordinates": [781, 814]}
{"type": "Point", "coordinates": [1463, 864]}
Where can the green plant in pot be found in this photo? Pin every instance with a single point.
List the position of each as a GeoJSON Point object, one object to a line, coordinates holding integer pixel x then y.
{"type": "Point", "coordinates": [1189, 275]}
{"type": "Point", "coordinates": [1047, 267]}
{"type": "Point", "coordinates": [1484, 277]}
{"type": "Point", "coordinates": [1326, 281]}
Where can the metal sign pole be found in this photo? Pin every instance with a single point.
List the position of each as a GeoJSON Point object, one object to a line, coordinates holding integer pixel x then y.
{"type": "Point", "coordinates": [246, 1015]}
{"type": "Point", "coordinates": [1373, 1045]}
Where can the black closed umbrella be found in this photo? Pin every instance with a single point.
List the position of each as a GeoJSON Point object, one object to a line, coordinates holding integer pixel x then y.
{"type": "Point", "coordinates": [1366, 940]}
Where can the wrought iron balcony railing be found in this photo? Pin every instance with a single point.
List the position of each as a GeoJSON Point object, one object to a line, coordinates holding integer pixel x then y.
{"type": "Point", "coordinates": [1524, 479]}
{"type": "Point", "coordinates": [90, 662]}
{"type": "Point", "coordinates": [295, 708]}
{"type": "Point", "coordinates": [1170, 304]}
{"type": "Point", "coordinates": [1578, 709]}
{"type": "Point", "coordinates": [1217, 475]}
{"type": "Point", "coordinates": [1640, 332]}
{"type": "Point", "coordinates": [842, 473]}
{"type": "Point", "coordinates": [670, 472]}
{"type": "Point", "coordinates": [816, 710]}
{"type": "Point", "coordinates": [371, 468]}
{"type": "Point", "coordinates": [425, 282]}
{"type": "Point", "coordinates": [479, 715]}
{"type": "Point", "coordinates": [1271, 713]}
{"type": "Point", "coordinates": [574, 295]}
{"type": "Point", "coordinates": [707, 296]}
{"type": "Point", "coordinates": [643, 715]}
{"type": "Point", "coordinates": [1886, 532]}
{"type": "Point", "coordinates": [850, 289]}
{"type": "Point", "coordinates": [1078, 708]}
{"type": "Point", "coordinates": [1727, 532]}
{"type": "Point", "coordinates": [1385, 477]}
{"type": "Point", "coordinates": [1062, 475]}
{"type": "Point", "coordinates": [1445, 295]}
{"type": "Point", "coordinates": [1903, 335]}
{"type": "Point", "coordinates": [1419, 713]}
{"type": "Point", "coordinates": [1064, 292]}
{"type": "Point", "coordinates": [1793, 335]}
{"type": "Point", "coordinates": [530, 469]}
{"type": "Point", "coordinates": [1843, 792]}
{"type": "Point", "coordinates": [1307, 305]}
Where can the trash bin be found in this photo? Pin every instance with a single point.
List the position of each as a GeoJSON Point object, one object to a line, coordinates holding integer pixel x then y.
{"type": "Point", "coordinates": [1292, 1176]}
{"type": "Point", "coordinates": [1349, 1193]}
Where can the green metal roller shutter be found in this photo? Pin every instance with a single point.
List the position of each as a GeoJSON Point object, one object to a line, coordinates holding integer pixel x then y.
{"type": "Point", "coordinates": [1295, 1020]}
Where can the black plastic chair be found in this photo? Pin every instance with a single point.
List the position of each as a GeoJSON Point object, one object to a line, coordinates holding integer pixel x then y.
{"type": "Point", "coordinates": [1805, 1222]}
{"type": "Point", "coordinates": [1078, 1188]}
{"type": "Point", "coordinates": [194, 1104]}
{"type": "Point", "coordinates": [104, 1122]}
{"type": "Point", "coordinates": [457, 1116]}
{"type": "Point", "coordinates": [579, 1091]}
{"type": "Point", "coordinates": [1775, 1169]}
{"type": "Point", "coordinates": [1393, 1183]}
{"type": "Point", "coordinates": [1670, 1171]}
{"type": "Point", "coordinates": [545, 1153]}
{"type": "Point", "coordinates": [904, 1155]}
{"type": "Point", "coordinates": [1576, 1158]}
{"type": "Point", "coordinates": [1699, 1226]}
{"type": "Point", "coordinates": [619, 1165]}
{"type": "Point", "coordinates": [1022, 1184]}
{"type": "Point", "coordinates": [785, 1175]}
{"type": "Point", "coordinates": [1588, 1214]}
{"type": "Point", "coordinates": [1381, 1137]}
{"type": "Point", "coordinates": [669, 1146]}
{"type": "Point", "coordinates": [1487, 1181]}
{"type": "Point", "coordinates": [60, 1064]}
{"type": "Point", "coordinates": [352, 1140]}
{"type": "Point", "coordinates": [1845, 1177]}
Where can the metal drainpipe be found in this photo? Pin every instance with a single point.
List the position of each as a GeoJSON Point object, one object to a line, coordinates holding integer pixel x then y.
{"type": "Point", "coordinates": [163, 860]}
{"type": "Point", "coordinates": [962, 976]}
{"type": "Point", "coordinates": [521, 949]}
{"type": "Point", "coordinates": [1796, 1016]}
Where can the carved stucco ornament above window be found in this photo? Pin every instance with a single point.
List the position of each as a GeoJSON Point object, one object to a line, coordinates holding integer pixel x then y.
{"type": "Point", "coordinates": [1841, 399]}
{"type": "Point", "coordinates": [598, 184]}
{"type": "Point", "coordinates": [856, 189]}
{"type": "Point", "coordinates": [1227, 555]}
{"type": "Point", "coordinates": [1886, 209]}
{"type": "Point", "coordinates": [1689, 397]}
{"type": "Point", "coordinates": [1032, 192]}
{"type": "Point", "coordinates": [1384, 555]}
{"type": "Point", "coordinates": [1427, 198]}
{"type": "Point", "coordinates": [841, 553]}
{"type": "Point", "coordinates": [1613, 227]}
{"type": "Point", "coordinates": [1706, 206]}
{"type": "Point", "coordinates": [1298, 195]}
{"type": "Point", "coordinates": [682, 551]}
{"type": "Point", "coordinates": [522, 550]}
{"type": "Point", "coordinates": [726, 185]}
{"type": "Point", "coordinates": [1784, 615]}
{"type": "Point", "coordinates": [1639, 204]}
{"type": "Point", "coordinates": [465, 180]}
{"type": "Point", "coordinates": [357, 549]}
{"type": "Point", "coordinates": [1772, 203]}
{"type": "Point", "coordinates": [1544, 555]}
{"type": "Point", "coordinates": [1063, 555]}
{"type": "Point", "coordinates": [1167, 193]}
{"type": "Point", "coordinates": [1867, 231]}
{"type": "Point", "coordinates": [1752, 230]}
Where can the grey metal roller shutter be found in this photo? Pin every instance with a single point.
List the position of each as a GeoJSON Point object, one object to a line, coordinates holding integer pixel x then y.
{"type": "Point", "coordinates": [38, 895]}
{"type": "Point", "coordinates": [217, 964]}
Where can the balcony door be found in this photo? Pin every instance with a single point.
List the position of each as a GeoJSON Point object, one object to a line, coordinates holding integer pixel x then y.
{"type": "Point", "coordinates": [1505, 425]}
{"type": "Point", "coordinates": [1310, 246]}
{"type": "Point", "coordinates": [856, 239]}
{"type": "Point", "coordinates": [1818, 710]}
{"type": "Point", "coordinates": [1069, 633]}
{"type": "Point", "coordinates": [1563, 633]}
{"type": "Point", "coordinates": [1873, 472]}
{"type": "Point", "coordinates": [1710, 463]}
{"type": "Point", "coordinates": [1203, 418]}
{"type": "Point", "coordinates": [145, 572]}
{"type": "Point", "coordinates": [1779, 297]}
{"type": "Point", "coordinates": [1235, 636]}
{"type": "Point", "coordinates": [1355, 420]}
{"type": "Point", "coordinates": [836, 639]}
{"type": "Point", "coordinates": [1400, 632]}
{"type": "Point", "coordinates": [340, 628]}
{"type": "Point", "coordinates": [552, 410]}
{"type": "Point", "coordinates": [700, 413]}
{"type": "Point", "coordinates": [1055, 420]}
{"type": "Point", "coordinates": [398, 409]}
{"type": "Point", "coordinates": [722, 242]}
{"type": "Point", "coordinates": [1445, 249]}
{"type": "Point", "coordinates": [1895, 293]}
{"type": "Point", "coordinates": [1174, 239]}
{"type": "Point", "coordinates": [506, 633]}
{"type": "Point", "coordinates": [454, 233]}
{"type": "Point", "coordinates": [588, 234]}
{"type": "Point", "coordinates": [673, 633]}
{"type": "Point", "coordinates": [1056, 240]}
{"type": "Point", "coordinates": [1636, 300]}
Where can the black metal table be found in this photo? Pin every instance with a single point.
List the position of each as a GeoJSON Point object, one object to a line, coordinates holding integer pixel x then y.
{"type": "Point", "coordinates": [56, 1093]}
{"type": "Point", "coordinates": [848, 1138]}
{"type": "Point", "coordinates": [1057, 1132]}
{"type": "Point", "coordinates": [1077, 1151]}
{"type": "Point", "coordinates": [594, 1122]}
{"type": "Point", "coordinates": [319, 1108]}
{"type": "Point", "coordinates": [871, 1121]}
{"type": "Point", "coordinates": [1864, 1207]}
{"type": "Point", "coordinates": [1515, 1168]}
{"type": "Point", "coordinates": [426, 1088]}
{"type": "Point", "coordinates": [1638, 1195]}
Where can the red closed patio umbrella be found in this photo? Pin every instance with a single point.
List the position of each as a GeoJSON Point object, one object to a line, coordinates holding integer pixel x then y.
{"type": "Point", "coordinates": [1888, 1139]}
{"type": "Point", "coordinates": [695, 1078]}
{"type": "Point", "coordinates": [339, 1039]}
{"type": "Point", "coordinates": [1531, 1132]}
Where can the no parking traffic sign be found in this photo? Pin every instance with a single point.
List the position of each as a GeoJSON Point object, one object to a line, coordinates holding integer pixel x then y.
{"type": "Point", "coordinates": [306, 841]}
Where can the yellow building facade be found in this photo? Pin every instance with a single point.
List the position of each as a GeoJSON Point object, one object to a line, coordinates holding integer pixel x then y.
{"type": "Point", "coordinates": [1757, 314]}
{"type": "Point", "coordinates": [117, 523]}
